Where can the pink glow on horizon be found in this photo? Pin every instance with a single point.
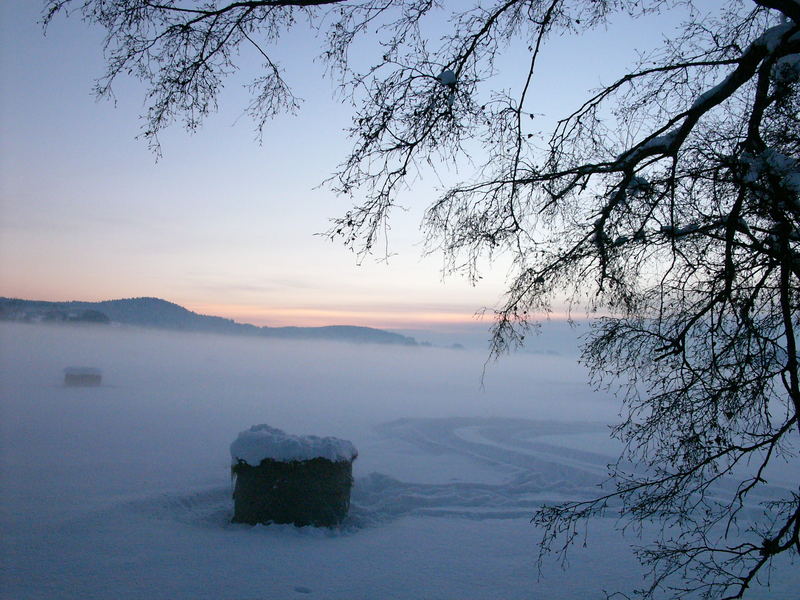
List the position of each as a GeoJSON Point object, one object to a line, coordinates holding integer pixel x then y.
{"type": "Point", "coordinates": [320, 317]}
{"type": "Point", "coordinates": [381, 316]}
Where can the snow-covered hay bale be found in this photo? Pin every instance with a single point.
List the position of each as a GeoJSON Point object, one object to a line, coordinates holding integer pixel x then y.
{"type": "Point", "coordinates": [282, 478]}
{"type": "Point", "coordinates": [82, 376]}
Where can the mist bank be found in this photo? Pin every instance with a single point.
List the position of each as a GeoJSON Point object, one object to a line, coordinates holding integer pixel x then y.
{"type": "Point", "coordinates": [298, 385]}
{"type": "Point", "coordinates": [171, 402]}
{"type": "Point", "coordinates": [550, 337]}
{"type": "Point", "coordinates": [554, 337]}
{"type": "Point", "coordinates": [123, 489]}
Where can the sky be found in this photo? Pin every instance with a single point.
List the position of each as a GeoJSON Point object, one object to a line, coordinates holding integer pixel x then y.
{"type": "Point", "coordinates": [221, 224]}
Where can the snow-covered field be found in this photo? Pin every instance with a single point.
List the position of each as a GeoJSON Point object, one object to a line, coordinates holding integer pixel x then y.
{"type": "Point", "coordinates": [124, 491]}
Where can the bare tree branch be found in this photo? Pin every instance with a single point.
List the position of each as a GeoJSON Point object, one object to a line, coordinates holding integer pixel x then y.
{"type": "Point", "coordinates": [668, 200]}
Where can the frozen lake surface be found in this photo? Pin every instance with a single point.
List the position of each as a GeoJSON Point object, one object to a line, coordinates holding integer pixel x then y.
{"type": "Point", "coordinates": [123, 490]}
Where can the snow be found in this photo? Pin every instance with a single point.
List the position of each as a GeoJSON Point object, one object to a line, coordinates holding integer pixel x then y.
{"type": "Point", "coordinates": [123, 491]}
{"type": "Point", "coordinates": [659, 144]}
{"type": "Point", "coordinates": [754, 166]}
{"type": "Point", "coordinates": [771, 38]}
{"type": "Point", "coordinates": [770, 161]}
{"type": "Point", "coordinates": [262, 442]}
{"type": "Point", "coordinates": [787, 69]}
{"type": "Point", "coordinates": [686, 229]}
{"type": "Point", "coordinates": [447, 77]}
{"type": "Point", "coordinates": [710, 93]}
{"type": "Point", "coordinates": [792, 182]}
{"type": "Point", "coordinates": [638, 186]}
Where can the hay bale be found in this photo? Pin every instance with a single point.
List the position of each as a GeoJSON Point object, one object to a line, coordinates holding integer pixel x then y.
{"type": "Point", "coordinates": [82, 376]}
{"type": "Point", "coordinates": [282, 478]}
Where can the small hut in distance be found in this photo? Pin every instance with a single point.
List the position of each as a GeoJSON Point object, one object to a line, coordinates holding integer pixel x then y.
{"type": "Point", "coordinates": [82, 376]}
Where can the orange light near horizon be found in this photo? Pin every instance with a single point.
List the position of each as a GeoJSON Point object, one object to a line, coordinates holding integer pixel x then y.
{"type": "Point", "coordinates": [320, 317]}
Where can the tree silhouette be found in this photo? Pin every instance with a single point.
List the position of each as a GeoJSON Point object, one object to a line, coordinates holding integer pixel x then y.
{"type": "Point", "coordinates": [669, 201]}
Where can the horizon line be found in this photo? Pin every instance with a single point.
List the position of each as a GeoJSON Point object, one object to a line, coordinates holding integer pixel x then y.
{"type": "Point", "coordinates": [414, 318]}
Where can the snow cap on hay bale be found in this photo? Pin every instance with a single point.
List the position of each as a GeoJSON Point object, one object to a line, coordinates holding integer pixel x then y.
{"type": "Point", "coordinates": [282, 478]}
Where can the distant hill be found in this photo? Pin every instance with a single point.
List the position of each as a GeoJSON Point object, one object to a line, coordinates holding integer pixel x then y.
{"type": "Point", "coordinates": [49, 312]}
{"type": "Point", "coordinates": [160, 314]}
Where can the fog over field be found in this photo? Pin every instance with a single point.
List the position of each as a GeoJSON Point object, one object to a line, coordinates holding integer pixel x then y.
{"type": "Point", "coordinates": [123, 490]}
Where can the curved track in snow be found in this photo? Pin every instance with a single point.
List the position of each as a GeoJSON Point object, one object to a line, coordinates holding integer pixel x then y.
{"type": "Point", "coordinates": [533, 472]}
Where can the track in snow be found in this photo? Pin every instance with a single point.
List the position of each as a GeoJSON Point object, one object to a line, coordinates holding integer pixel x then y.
{"type": "Point", "coordinates": [536, 472]}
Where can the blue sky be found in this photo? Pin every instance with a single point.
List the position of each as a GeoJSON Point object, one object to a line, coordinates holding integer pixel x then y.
{"type": "Point", "coordinates": [220, 224]}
